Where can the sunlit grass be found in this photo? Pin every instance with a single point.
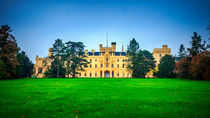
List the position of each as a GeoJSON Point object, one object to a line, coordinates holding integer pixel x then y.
{"type": "Point", "coordinates": [106, 98]}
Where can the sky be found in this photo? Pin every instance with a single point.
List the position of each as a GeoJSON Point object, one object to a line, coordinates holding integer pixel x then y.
{"type": "Point", "coordinates": [37, 23]}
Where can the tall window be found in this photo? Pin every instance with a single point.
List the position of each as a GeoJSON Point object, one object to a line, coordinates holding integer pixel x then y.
{"type": "Point", "coordinates": [160, 55]}
{"type": "Point", "coordinates": [123, 65]}
{"type": "Point", "coordinates": [107, 65]}
{"type": "Point", "coordinates": [117, 60]}
{"type": "Point", "coordinates": [90, 74]}
{"type": "Point", "coordinates": [96, 66]}
{"type": "Point", "coordinates": [112, 65]}
{"type": "Point", "coordinates": [85, 74]}
{"type": "Point", "coordinates": [106, 59]}
{"type": "Point", "coordinates": [95, 60]}
{"type": "Point", "coordinates": [118, 65]}
{"type": "Point", "coordinates": [90, 66]}
{"type": "Point", "coordinates": [95, 74]}
{"type": "Point", "coordinates": [118, 74]}
{"type": "Point", "coordinates": [90, 60]}
{"type": "Point", "coordinates": [101, 65]}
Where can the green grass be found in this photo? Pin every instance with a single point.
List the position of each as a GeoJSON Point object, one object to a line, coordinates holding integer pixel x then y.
{"type": "Point", "coordinates": [104, 98]}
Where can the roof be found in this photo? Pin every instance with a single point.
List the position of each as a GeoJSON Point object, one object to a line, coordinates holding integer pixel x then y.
{"type": "Point", "coordinates": [115, 53]}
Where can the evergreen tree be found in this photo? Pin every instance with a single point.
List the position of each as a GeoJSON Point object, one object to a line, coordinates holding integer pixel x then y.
{"type": "Point", "coordinates": [166, 67]}
{"type": "Point", "coordinates": [196, 45]}
{"type": "Point", "coordinates": [75, 58]}
{"type": "Point", "coordinates": [52, 71]}
{"type": "Point", "coordinates": [182, 52]}
{"type": "Point", "coordinates": [58, 52]}
{"type": "Point", "coordinates": [25, 67]}
{"type": "Point", "coordinates": [139, 62]}
{"type": "Point", "coordinates": [8, 51]}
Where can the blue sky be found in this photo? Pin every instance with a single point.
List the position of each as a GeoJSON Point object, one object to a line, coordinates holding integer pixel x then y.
{"type": "Point", "coordinates": [37, 23]}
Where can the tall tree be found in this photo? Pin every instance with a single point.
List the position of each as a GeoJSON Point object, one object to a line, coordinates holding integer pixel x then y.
{"type": "Point", "coordinates": [139, 62]}
{"type": "Point", "coordinates": [166, 67]}
{"type": "Point", "coordinates": [52, 71]}
{"type": "Point", "coordinates": [25, 67]}
{"type": "Point", "coordinates": [75, 58]}
{"type": "Point", "coordinates": [8, 51]}
{"type": "Point", "coordinates": [182, 52]}
{"type": "Point", "coordinates": [58, 52]}
{"type": "Point", "coordinates": [197, 46]}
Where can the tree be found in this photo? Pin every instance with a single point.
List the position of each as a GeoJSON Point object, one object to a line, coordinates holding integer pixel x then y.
{"type": "Point", "coordinates": [52, 71]}
{"type": "Point", "coordinates": [139, 62]}
{"type": "Point", "coordinates": [8, 51]}
{"type": "Point", "coordinates": [25, 67]}
{"type": "Point", "coordinates": [75, 58]}
{"type": "Point", "coordinates": [58, 52]}
{"type": "Point", "coordinates": [182, 52]}
{"type": "Point", "coordinates": [196, 45]}
{"type": "Point", "coordinates": [166, 67]}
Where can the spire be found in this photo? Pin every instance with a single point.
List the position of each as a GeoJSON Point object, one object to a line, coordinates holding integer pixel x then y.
{"type": "Point", "coordinates": [107, 39]}
{"type": "Point", "coordinates": [122, 48]}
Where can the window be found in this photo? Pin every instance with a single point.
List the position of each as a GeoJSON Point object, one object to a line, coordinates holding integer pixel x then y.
{"type": "Point", "coordinates": [117, 60]}
{"type": "Point", "coordinates": [79, 74]}
{"type": "Point", "coordinates": [107, 65]}
{"type": "Point", "coordinates": [90, 74]}
{"type": "Point", "coordinates": [118, 65]}
{"type": "Point", "coordinates": [95, 60]}
{"type": "Point", "coordinates": [160, 55]}
{"type": "Point", "coordinates": [123, 65]}
{"type": "Point", "coordinates": [90, 60]}
{"type": "Point", "coordinates": [112, 65]}
{"type": "Point", "coordinates": [101, 65]}
{"type": "Point", "coordinates": [95, 74]}
{"type": "Point", "coordinates": [118, 74]}
{"type": "Point", "coordinates": [123, 60]}
{"type": "Point", "coordinates": [85, 74]}
{"type": "Point", "coordinates": [106, 59]}
{"type": "Point", "coordinates": [96, 66]}
{"type": "Point", "coordinates": [90, 66]}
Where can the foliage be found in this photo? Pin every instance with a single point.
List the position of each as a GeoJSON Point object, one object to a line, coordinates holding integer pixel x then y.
{"type": "Point", "coordinates": [182, 52]}
{"type": "Point", "coordinates": [58, 51]}
{"type": "Point", "coordinates": [75, 58]}
{"type": "Point", "coordinates": [140, 62]}
{"type": "Point", "coordinates": [8, 51]}
{"type": "Point", "coordinates": [197, 46]}
{"type": "Point", "coordinates": [166, 67]}
{"type": "Point", "coordinates": [52, 71]}
{"type": "Point", "coordinates": [25, 67]}
{"type": "Point", "coordinates": [197, 67]}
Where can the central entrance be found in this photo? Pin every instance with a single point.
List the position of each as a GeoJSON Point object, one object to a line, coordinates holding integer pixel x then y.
{"type": "Point", "coordinates": [107, 73]}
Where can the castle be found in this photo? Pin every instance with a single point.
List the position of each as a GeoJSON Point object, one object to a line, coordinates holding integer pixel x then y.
{"type": "Point", "coordinates": [105, 63]}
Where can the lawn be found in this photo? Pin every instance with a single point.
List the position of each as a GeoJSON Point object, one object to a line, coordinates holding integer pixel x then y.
{"type": "Point", "coordinates": [104, 98]}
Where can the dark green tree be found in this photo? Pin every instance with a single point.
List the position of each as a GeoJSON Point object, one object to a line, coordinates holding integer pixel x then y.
{"type": "Point", "coordinates": [58, 53]}
{"type": "Point", "coordinates": [75, 58]}
{"type": "Point", "coordinates": [197, 46]}
{"type": "Point", "coordinates": [166, 67]}
{"type": "Point", "coordinates": [25, 67]}
{"type": "Point", "coordinates": [52, 71]}
{"type": "Point", "coordinates": [182, 52]}
{"type": "Point", "coordinates": [8, 51]}
{"type": "Point", "coordinates": [139, 62]}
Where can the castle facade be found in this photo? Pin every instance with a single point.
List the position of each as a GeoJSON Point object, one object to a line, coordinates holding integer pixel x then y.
{"type": "Point", "coordinates": [107, 62]}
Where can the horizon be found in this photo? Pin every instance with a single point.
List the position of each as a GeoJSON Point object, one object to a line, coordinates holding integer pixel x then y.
{"type": "Point", "coordinates": [36, 24]}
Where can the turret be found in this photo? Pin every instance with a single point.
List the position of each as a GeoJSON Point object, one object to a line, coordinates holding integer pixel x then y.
{"type": "Point", "coordinates": [113, 46]}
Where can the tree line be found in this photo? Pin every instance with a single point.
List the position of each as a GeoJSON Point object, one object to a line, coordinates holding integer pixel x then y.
{"type": "Point", "coordinates": [68, 59]}
{"type": "Point", "coordinates": [14, 63]}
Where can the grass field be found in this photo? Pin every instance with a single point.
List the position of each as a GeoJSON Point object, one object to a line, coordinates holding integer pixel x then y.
{"type": "Point", "coordinates": [104, 98]}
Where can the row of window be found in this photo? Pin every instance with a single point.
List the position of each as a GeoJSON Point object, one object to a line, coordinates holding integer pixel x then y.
{"type": "Point", "coordinates": [123, 66]}
{"type": "Point", "coordinates": [85, 74]}
{"type": "Point", "coordinates": [118, 60]}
